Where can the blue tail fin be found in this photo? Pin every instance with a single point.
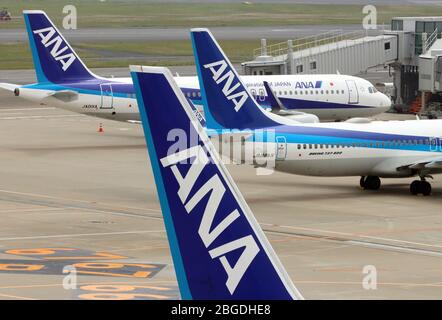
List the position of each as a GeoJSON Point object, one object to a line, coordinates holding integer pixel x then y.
{"type": "Point", "coordinates": [54, 59]}
{"type": "Point", "coordinates": [218, 248]}
{"type": "Point", "coordinates": [227, 103]}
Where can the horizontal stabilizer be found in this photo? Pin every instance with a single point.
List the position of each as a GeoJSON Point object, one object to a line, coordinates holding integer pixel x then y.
{"type": "Point", "coordinates": [9, 86]}
{"type": "Point", "coordinates": [63, 95]}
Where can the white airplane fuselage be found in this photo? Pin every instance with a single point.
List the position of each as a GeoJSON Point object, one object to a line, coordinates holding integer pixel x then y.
{"type": "Point", "coordinates": [330, 97]}
{"type": "Point", "coordinates": [379, 148]}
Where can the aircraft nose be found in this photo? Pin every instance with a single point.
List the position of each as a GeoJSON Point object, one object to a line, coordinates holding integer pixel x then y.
{"type": "Point", "coordinates": [385, 102]}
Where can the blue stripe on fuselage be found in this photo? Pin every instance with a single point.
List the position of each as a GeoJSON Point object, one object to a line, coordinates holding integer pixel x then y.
{"type": "Point", "coordinates": [325, 136]}
{"type": "Point", "coordinates": [126, 90]}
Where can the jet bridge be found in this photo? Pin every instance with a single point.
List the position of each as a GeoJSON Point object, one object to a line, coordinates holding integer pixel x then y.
{"type": "Point", "coordinates": [329, 52]}
{"type": "Point", "coordinates": [412, 49]}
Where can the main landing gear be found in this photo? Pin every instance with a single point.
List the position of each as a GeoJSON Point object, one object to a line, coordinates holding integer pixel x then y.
{"type": "Point", "coordinates": [420, 187]}
{"type": "Point", "coordinates": [370, 183]}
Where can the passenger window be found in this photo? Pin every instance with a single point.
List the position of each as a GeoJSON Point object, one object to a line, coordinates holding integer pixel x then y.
{"type": "Point", "coordinates": [332, 91]}
{"type": "Point", "coordinates": [299, 146]}
{"type": "Point", "coordinates": [342, 91]}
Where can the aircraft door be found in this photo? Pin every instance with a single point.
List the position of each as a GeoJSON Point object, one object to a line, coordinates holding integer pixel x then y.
{"type": "Point", "coordinates": [281, 148]}
{"type": "Point", "coordinates": [107, 97]}
{"type": "Point", "coordinates": [353, 95]}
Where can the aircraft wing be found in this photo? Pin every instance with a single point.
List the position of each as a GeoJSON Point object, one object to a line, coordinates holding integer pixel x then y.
{"type": "Point", "coordinates": [9, 86]}
{"type": "Point", "coordinates": [428, 163]}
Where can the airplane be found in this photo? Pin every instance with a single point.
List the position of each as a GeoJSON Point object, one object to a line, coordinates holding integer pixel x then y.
{"type": "Point", "coordinates": [64, 81]}
{"type": "Point", "coordinates": [371, 150]}
{"type": "Point", "coordinates": [218, 248]}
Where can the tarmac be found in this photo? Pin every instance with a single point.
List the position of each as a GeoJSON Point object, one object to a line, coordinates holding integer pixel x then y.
{"type": "Point", "coordinates": [71, 197]}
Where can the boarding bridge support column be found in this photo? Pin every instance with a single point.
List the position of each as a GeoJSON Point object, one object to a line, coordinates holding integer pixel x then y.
{"type": "Point", "coordinates": [263, 47]}
{"type": "Point", "coordinates": [290, 62]}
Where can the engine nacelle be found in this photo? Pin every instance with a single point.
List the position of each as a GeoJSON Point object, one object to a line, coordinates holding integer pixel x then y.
{"type": "Point", "coordinates": [302, 118]}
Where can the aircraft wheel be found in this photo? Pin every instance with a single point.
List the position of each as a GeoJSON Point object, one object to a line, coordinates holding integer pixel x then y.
{"type": "Point", "coordinates": [372, 183]}
{"type": "Point", "coordinates": [420, 187]}
{"type": "Point", "coordinates": [414, 187]}
{"type": "Point", "coordinates": [362, 182]}
{"type": "Point", "coordinates": [425, 188]}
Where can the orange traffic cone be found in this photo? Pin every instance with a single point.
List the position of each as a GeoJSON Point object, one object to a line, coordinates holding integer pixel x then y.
{"type": "Point", "coordinates": [100, 129]}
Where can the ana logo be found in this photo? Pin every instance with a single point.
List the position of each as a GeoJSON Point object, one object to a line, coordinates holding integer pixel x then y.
{"type": "Point", "coordinates": [50, 38]}
{"type": "Point", "coordinates": [219, 75]}
{"type": "Point", "coordinates": [308, 85]}
{"type": "Point", "coordinates": [211, 206]}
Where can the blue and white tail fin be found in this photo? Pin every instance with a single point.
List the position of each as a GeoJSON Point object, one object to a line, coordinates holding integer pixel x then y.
{"type": "Point", "coordinates": [226, 100]}
{"type": "Point", "coordinates": [54, 59]}
{"type": "Point", "coordinates": [218, 248]}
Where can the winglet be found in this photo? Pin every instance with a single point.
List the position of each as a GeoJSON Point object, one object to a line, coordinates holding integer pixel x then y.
{"type": "Point", "coordinates": [275, 103]}
{"type": "Point", "coordinates": [218, 248]}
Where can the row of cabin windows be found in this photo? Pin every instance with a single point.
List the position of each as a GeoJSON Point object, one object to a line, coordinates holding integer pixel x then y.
{"type": "Point", "coordinates": [194, 94]}
{"type": "Point", "coordinates": [301, 92]}
{"type": "Point", "coordinates": [377, 144]}
{"type": "Point", "coordinates": [306, 92]}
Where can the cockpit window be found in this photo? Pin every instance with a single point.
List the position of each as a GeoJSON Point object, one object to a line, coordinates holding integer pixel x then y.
{"type": "Point", "coordinates": [372, 90]}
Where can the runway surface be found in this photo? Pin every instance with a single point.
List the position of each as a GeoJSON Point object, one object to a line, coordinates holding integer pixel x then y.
{"type": "Point", "coordinates": [168, 34]}
{"type": "Point", "coordinates": [70, 196]}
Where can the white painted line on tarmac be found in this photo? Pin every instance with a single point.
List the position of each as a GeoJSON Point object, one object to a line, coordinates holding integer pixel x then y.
{"type": "Point", "coordinates": [27, 109]}
{"type": "Point", "coordinates": [354, 235]}
{"type": "Point", "coordinates": [75, 235]}
{"type": "Point", "coordinates": [394, 248]}
{"type": "Point", "coordinates": [42, 117]}
{"type": "Point", "coordinates": [74, 200]}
